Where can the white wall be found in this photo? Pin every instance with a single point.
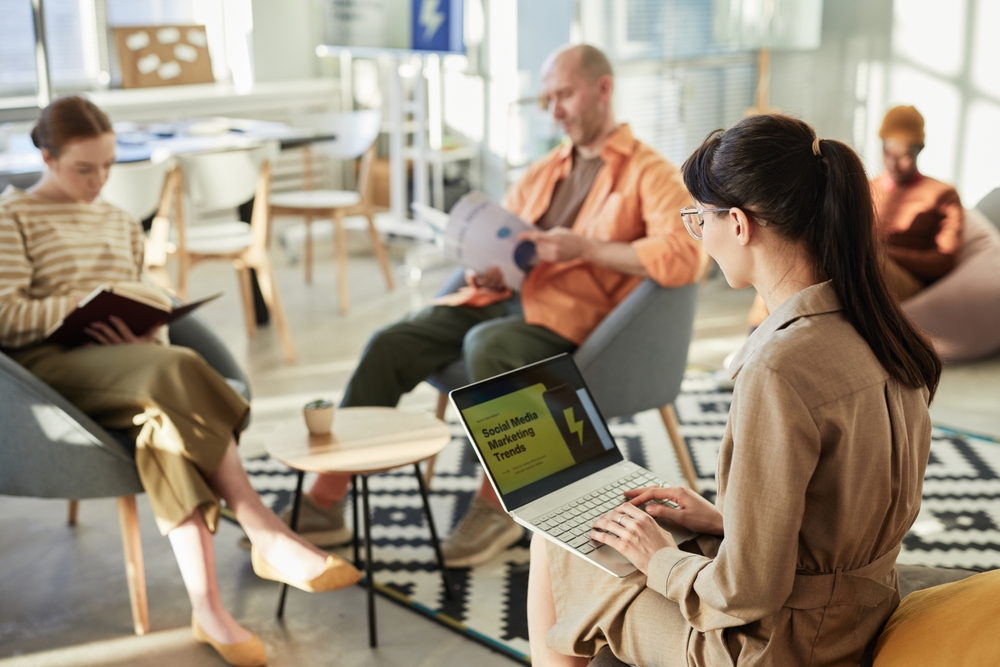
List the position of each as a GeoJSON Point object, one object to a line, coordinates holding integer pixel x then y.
{"type": "Point", "coordinates": [519, 35]}
{"type": "Point", "coordinates": [285, 35]}
{"type": "Point", "coordinates": [942, 56]}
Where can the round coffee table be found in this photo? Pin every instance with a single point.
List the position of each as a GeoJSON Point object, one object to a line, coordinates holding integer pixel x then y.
{"type": "Point", "coordinates": [363, 442]}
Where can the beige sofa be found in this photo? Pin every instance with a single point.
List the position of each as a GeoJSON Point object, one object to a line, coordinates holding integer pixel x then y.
{"type": "Point", "coordinates": [961, 311]}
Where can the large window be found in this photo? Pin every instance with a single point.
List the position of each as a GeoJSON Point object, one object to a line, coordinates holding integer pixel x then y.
{"type": "Point", "coordinates": [17, 44]}
{"type": "Point", "coordinates": [674, 82]}
{"type": "Point", "coordinates": [81, 50]}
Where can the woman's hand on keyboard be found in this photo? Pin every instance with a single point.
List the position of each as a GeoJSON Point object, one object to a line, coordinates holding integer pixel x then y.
{"type": "Point", "coordinates": [693, 511]}
{"type": "Point", "coordinates": [633, 533]}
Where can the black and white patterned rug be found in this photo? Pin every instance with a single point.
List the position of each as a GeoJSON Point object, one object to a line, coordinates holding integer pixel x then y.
{"type": "Point", "coordinates": [958, 525]}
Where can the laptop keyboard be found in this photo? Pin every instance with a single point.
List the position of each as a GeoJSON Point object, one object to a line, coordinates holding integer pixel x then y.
{"type": "Point", "coordinates": [571, 523]}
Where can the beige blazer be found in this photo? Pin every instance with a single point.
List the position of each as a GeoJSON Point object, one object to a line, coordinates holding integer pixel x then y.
{"type": "Point", "coordinates": [820, 477]}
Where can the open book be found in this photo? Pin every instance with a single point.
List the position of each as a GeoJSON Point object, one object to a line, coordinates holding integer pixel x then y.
{"type": "Point", "coordinates": [479, 233]}
{"type": "Point", "coordinates": [140, 306]}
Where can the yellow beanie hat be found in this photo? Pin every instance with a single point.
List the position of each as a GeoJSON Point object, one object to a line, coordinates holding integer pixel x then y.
{"type": "Point", "coordinates": [904, 123]}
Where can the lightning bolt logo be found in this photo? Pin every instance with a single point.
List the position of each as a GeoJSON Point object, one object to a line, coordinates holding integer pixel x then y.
{"type": "Point", "coordinates": [431, 18]}
{"type": "Point", "coordinates": [575, 426]}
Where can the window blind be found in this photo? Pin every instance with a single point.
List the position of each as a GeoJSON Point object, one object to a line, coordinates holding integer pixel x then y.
{"type": "Point", "coordinates": [17, 44]}
{"type": "Point", "coordinates": [673, 83]}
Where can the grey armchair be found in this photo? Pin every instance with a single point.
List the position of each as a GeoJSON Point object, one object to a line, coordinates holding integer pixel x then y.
{"type": "Point", "coordinates": [50, 449]}
{"type": "Point", "coordinates": [633, 361]}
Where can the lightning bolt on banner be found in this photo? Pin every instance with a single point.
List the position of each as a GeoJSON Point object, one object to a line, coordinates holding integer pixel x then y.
{"type": "Point", "coordinates": [431, 18]}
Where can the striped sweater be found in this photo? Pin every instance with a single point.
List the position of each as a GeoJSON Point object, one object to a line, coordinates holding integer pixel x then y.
{"type": "Point", "coordinates": [52, 255]}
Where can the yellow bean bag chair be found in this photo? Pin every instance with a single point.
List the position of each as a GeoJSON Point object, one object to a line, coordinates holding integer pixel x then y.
{"type": "Point", "coordinates": [951, 625]}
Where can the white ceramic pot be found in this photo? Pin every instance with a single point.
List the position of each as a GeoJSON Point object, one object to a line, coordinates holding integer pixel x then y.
{"type": "Point", "coordinates": [319, 420]}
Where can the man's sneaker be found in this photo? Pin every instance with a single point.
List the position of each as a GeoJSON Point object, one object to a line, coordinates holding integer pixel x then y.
{"type": "Point", "coordinates": [483, 532]}
{"type": "Point", "coordinates": [324, 527]}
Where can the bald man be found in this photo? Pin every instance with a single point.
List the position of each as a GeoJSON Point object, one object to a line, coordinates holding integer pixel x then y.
{"type": "Point", "coordinates": [606, 212]}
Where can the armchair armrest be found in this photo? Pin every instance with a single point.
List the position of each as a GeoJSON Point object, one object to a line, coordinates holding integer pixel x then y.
{"type": "Point", "coordinates": [634, 360]}
{"type": "Point", "coordinates": [51, 449]}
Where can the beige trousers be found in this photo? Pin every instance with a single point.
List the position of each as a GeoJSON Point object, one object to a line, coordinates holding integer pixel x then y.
{"type": "Point", "coordinates": [594, 609]}
{"type": "Point", "coordinates": [180, 410]}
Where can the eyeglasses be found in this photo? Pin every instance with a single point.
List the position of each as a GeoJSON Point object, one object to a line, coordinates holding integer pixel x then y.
{"type": "Point", "coordinates": [693, 220]}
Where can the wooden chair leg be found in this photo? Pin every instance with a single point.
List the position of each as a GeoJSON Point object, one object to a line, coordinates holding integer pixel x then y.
{"type": "Point", "coordinates": [161, 278]}
{"type": "Point", "coordinates": [669, 416]}
{"type": "Point", "coordinates": [338, 220]}
{"type": "Point", "coordinates": [429, 472]}
{"type": "Point", "coordinates": [74, 510]}
{"type": "Point", "coordinates": [379, 248]}
{"type": "Point", "coordinates": [183, 268]}
{"type": "Point", "coordinates": [442, 406]}
{"type": "Point", "coordinates": [308, 249]}
{"type": "Point", "coordinates": [135, 570]}
{"type": "Point", "coordinates": [245, 281]}
{"type": "Point", "coordinates": [439, 411]}
{"type": "Point", "coordinates": [269, 290]}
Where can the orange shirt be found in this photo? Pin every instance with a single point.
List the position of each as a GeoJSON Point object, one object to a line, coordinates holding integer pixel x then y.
{"type": "Point", "coordinates": [921, 223]}
{"type": "Point", "coordinates": [636, 198]}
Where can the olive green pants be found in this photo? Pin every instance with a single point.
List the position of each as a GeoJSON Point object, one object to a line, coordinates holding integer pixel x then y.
{"type": "Point", "coordinates": [492, 340]}
{"type": "Point", "coordinates": [181, 412]}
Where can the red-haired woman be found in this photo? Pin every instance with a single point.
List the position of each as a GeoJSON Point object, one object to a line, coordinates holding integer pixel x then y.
{"type": "Point", "coordinates": [821, 468]}
{"type": "Point", "coordinates": [58, 242]}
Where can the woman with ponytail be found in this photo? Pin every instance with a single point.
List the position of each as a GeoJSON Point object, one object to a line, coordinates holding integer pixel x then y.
{"type": "Point", "coordinates": [821, 469]}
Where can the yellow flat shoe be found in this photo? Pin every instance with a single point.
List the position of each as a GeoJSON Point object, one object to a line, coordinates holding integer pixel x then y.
{"type": "Point", "coordinates": [250, 653]}
{"type": "Point", "coordinates": [338, 574]}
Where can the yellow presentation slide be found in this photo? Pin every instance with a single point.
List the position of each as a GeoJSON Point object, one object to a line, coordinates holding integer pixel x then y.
{"type": "Point", "coordinates": [518, 438]}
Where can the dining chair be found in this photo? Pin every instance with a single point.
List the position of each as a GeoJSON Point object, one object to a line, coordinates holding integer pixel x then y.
{"type": "Point", "coordinates": [146, 189]}
{"type": "Point", "coordinates": [355, 134]}
{"type": "Point", "coordinates": [633, 361]}
{"type": "Point", "coordinates": [222, 181]}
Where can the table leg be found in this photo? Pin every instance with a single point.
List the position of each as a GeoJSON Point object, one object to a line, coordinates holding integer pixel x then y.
{"type": "Point", "coordinates": [355, 524]}
{"type": "Point", "coordinates": [296, 505]}
{"type": "Point", "coordinates": [369, 571]}
{"type": "Point", "coordinates": [434, 536]}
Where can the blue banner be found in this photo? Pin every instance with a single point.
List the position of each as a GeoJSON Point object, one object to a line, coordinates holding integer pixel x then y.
{"type": "Point", "coordinates": [438, 25]}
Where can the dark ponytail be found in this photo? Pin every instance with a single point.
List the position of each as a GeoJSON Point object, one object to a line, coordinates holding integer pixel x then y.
{"type": "Point", "coordinates": [816, 193]}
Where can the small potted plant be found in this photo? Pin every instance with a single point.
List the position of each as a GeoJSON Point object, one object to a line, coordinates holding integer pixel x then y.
{"type": "Point", "coordinates": [319, 416]}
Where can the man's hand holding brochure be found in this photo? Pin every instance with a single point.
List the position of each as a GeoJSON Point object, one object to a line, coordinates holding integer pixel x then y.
{"type": "Point", "coordinates": [480, 234]}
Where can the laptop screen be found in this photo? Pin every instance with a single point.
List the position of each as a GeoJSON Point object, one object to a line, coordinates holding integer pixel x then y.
{"type": "Point", "coordinates": [536, 428]}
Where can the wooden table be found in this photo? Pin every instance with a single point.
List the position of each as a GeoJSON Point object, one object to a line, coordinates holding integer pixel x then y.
{"type": "Point", "coordinates": [364, 441]}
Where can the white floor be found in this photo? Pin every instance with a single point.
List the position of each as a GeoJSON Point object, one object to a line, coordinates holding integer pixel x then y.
{"type": "Point", "coordinates": [63, 599]}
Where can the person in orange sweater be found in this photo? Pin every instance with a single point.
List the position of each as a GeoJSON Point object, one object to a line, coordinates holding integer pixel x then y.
{"type": "Point", "coordinates": [918, 219]}
{"type": "Point", "coordinates": [606, 209]}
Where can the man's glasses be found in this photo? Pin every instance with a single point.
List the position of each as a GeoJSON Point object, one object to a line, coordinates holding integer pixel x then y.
{"type": "Point", "coordinates": [694, 220]}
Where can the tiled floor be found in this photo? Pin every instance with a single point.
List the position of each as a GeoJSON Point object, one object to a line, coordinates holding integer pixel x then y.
{"type": "Point", "coordinates": [63, 599]}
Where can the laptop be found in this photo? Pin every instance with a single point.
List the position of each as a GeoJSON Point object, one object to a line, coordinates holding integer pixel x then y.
{"type": "Point", "coordinates": [548, 453]}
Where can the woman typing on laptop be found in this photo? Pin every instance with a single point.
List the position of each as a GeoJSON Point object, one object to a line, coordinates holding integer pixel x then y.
{"type": "Point", "coordinates": [821, 468]}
